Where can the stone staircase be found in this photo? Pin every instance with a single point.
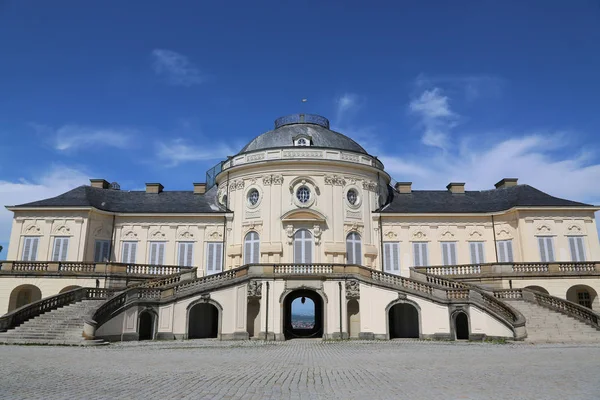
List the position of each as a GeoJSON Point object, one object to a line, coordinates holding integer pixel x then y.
{"type": "Point", "coordinates": [63, 326]}
{"type": "Point", "coordinates": [547, 326]}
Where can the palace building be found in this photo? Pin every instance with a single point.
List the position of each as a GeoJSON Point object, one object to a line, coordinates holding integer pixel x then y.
{"type": "Point", "coordinates": [301, 212]}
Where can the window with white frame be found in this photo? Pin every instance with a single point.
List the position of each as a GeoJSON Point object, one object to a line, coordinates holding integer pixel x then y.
{"type": "Point", "coordinates": [353, 248]}
{"type": "Point", "coordinates": [391, 257]}
{"type": "Point", "coordinates": [477, 252]}
{"type": "Point", "coordinates": [129, 250]}
{"type": "Point", "coordinates": [505, 251]}
{"type": "Point", "coordinates": [61, 246]}
{"type": "Point", "coordinates": [303, 245]}
{"type": "Point", "coordinates": [157, 253]}
{"type": "Point", "coordinates": [214, 257]}
{"type": "Point", "coordinates": [251, 248]}
{"type": "Point", "coordinates": [30, 247]}
{"type": "Point", "coordinates": [449, 253]}
{"type": "Point", "coordinates": [420, 254]}
{"type": "Point", "coordinates": [577, 248]}
{"type": "Point", "coordinates": [185, 254]}
{"type": "Point", "coordinates": [546, 245]}
{"type": "Point", "coordinates": [101, 250]}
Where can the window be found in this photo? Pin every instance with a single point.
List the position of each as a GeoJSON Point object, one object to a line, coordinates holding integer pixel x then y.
{"type": "Point", "coordinates": [583, 298]}
{"type": "Point", "coordinates": [253, 197]}
{"type": "Point", "coordinates": [185, 254]}
{"type": "Point", "coordinates": [391, 257]}
{"type": "Point", "coordinates": [30, 246]}
{"type": "Point", "coordinates": [157, 253]}
{"type": "Point", "coordinates": [449, 253]}
{"type": "Point", "coordinates": [353, 252]}
{"type": "Point", "coordinates": [102, 250]}
{"type": "Point", "coordinates": [352, 196]}
{"type": "Point", "coordinates": [546, 248]}
{"type": "Point", "coordinates": [61, 246]}
{"type": "Point", "coordinates": [214, 257]}
{"type": "Point", "coordinates": [477, 253]}
{"type": "Point", "coordinates": [420, 254]}
{"type": "Point", "coordinates": [251, 248]}
{"type": "Point", "coordinates": [505, 252]}
{"type": "Point", "coordinates": [302, 247]}
{"type": "Point", "coordinates": [577, 249]}
{"type": "Point", "coordinates": [302, 142]}
{"type": "Point", "coordinates": [303, 194]}
{"type": "Point", "coordinates": [129, 251]}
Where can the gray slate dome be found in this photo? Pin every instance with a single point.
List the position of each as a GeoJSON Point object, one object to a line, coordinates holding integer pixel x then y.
{"type": "Point", "coordinates": [289, 127]}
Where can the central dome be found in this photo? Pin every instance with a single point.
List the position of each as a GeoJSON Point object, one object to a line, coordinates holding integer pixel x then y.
{"type": "Point", "coordinates": [290, 127]}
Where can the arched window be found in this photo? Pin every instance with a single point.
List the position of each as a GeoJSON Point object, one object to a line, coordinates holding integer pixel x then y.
{"type": "Point", "coordinates": [353, 253]}
{"type": "Point", "coordinates": [251, 248]}
{"type": "Point", "coordinates": [303, 247]}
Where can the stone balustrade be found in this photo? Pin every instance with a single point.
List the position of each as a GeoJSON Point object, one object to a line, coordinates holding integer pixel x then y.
{"type": "Point", "coordinates": [513, 269]}
{"type": "Point", "coordinates": [303, 269]}
{"type": "Point", "coordinates": [87, 268]}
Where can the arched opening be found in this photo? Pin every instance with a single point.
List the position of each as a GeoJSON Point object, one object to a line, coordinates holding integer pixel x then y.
{"type": "Point", "coordinates": [146, 326]}
{"type": "Point", "coordinates": [66, 289]}
{"type": "Point", "coordinates": [353, 310]}
{"type": "Point", "coordinates": [303, 247]}
{"type": "Point", "coordinates": [461, 326]}
{"type": "Point", "coordinates": [23, 295]}
{"type": "Point", "coordinates": [251, 248]}
{"type": "Point", "coordinates": [303, 315]}
{"type": "Point", "coordinates": [253, 321]}
{"type": "Point", "coordinates": [584, 296]}
{"type": "Point", "coordinates": [537, 289]}
{"type": "Point", "coordinates": [203, 321]}
{"type": "Point", "coordinates": [353, 248]}
{"type": "Point", "coordinates": [403, 321]}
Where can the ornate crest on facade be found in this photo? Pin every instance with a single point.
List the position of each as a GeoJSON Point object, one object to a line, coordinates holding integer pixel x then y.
{"type": "Point", "coordinates": [370, 185]}
{"type": "Point", "coordinates": [574, 229]}
{"type": "Point", "coordinates": [33, 230]}
{"type": "Point", "coordinates": [62, 230]}
{"type": "Point", "coordinates": [334, 180]}
{"type": "Point", "coordinates": [129, 234]}
{"type": "Point", "coordinates": [390, 235]}
{"type": "Point", "coordinates": [289, 231]}
{"type": "Point", "coordinates": [317, 233]}
{"type": "Point", "coordinates": [254, 290]}
{"type": "Point", "coordinates": [352, 289]}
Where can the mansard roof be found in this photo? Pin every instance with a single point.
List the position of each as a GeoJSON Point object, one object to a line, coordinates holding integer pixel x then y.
{"type": "Point", "coordinates": [444, 201]}
{"type": "Point", "coordinates": [123, 201]}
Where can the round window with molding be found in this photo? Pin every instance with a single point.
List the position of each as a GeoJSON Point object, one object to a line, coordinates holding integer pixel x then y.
{"type": "Point", "coordinates": [303, 192]}
{"type": "Point", "coordinates": [253, 197]}
{"type": "Point", "coordinates": [353, 198]}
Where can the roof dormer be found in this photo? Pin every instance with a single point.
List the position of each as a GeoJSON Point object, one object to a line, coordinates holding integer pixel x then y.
{"type": "Point", "coordinates": [302, 140]}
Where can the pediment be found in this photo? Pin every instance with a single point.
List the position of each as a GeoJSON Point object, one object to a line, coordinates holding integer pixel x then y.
{"type": "Point", "coordinates": [303, 214]}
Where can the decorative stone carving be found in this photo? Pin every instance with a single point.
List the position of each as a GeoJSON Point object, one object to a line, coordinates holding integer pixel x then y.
{"type": "Point", "coordinates": [277, 180]}
{"type": "Point", "coordinates": [334, 180]}
{"type": "Point", "coordinates": [214, 233]}
{"type": "Point", "coordinates": [503, 233]}
{"type": "Point", "coordinates": [185, 234]}
{"type": "Point", "coordinates": [370, 185]}
{"type": "Point", "coordinates": [303, 154]}
{"type": "Point", "coordinates": [349, 157]}
{"type": "Point", "coordinates": [317, 234]}
{"type": "Point", "coordinates": [157, 235]}
{"type": "Point", "coordinates": [33, 230]}
{"type": "Point", "coordinates": [239, 185]}
{"type": "Point", "coordinates": [353, 227]}
{"type": "Point", "coordinates": [354, 214]}
{"type": "Point", "coordinates": [575, 229]}
{"type": "Point", "coordinates": [390, 235]}
{"type": "Point", "coordinates": [101, 232]}
{"type": "Point", "coordinates": [255, 226]}
{"type": "Point", "coordinates": [352, 289]}
{"type": "Point", "coordinates": [254, 290]}
{"type": "Point", "coordinates": [267, 180]}
{"type": "Point", "coordinates": [129, 234]}
{"type": "Point", "coordinates": [62, 230]}
{"type": "Point", "coordinates": [289, 230]}
{"type": "Point", "coordinates": [401, 296]}
{"type": "Point", "coordinates": [419, 235]}
{"type": "Point", "coordinates": [447, 235]}
{"type": "Point", "coordinates": [476, 234]}
{"type": "Point", "coordinates": [255, 157]}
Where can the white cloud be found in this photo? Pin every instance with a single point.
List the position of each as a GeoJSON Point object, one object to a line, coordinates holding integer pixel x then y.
{"type": "Point", "coordinates": [471, 87]}
{"type": "Point", "coordinates": [433, 110]}
{"type": "Point", "coordinates": [57, 180]}
{"type": "Point", "coordinates": [346, 104]}
{"type": "Point", "coordinates": [178, 151]}
{"type": "Point", "coordinates": [176, 68]}
{"type": "Point", "coordinates": [72, 137]}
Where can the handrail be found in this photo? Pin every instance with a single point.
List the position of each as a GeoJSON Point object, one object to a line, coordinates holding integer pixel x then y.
{"type": "Point", "coordinates": [511, 268]}
{"type": "Point", "coordinates": [31, 310]}
{"type": "Point", "coordinates": [92, 268]}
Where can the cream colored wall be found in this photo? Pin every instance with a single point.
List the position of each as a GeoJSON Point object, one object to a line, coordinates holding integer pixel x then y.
{"type": "Point", "coordinates": [482, 323]}
{"type": "Point", "coordinates": [556, 287]}
{"type": "Point", "coordinates": [112, 327]}
{"type": "Point", "coordinates": [48, 286]}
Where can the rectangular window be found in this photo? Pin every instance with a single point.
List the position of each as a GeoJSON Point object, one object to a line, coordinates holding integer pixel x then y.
{"type": "Point", "coordinates": [129, 252]}
{"type": "Point", "coordinates": [420, 254]}
{"type": "Point", "coordinates": [476, 249]}
{"type": "Point", "coordinates": [546, 248]}
{"type": "Point", "coordinates": [449, 253]}
{"type": "Point", "coordinates": [30, 246]}
{"type": "Point", "coordinates": [186, 253]}
{"type": "Point", "coordinates": [577, 248]}
{"type": "Point", "coordinates": [391, 257]}
{"type": "Point", "coordinates": [505, 251]}
{"type": "Point", "coordinates": [214, 257]}
{"type": "Point", "coordinates": [157, 253]}
{"type": "Point", "coordinates": [102, 250]}
{"type": "Point", "coordinates": [61, 246]}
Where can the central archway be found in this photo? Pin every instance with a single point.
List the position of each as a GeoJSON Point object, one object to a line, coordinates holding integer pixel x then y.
{"type": "Point", "coordinates": [303, 315]}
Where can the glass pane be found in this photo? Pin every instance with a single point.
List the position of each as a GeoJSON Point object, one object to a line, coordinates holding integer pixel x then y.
{"type": "Point", "coordinates": [303, 313]}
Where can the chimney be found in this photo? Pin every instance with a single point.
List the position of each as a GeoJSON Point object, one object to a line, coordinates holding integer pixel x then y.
{"type": "Point", "coordinates": [403, 187]}
{"type": "Point", "coordinates": [506, 182]}
{"type": "Point", "coordinates": [199, 188]}
{"type": "Point", "coordinates": [456, 187]}
{"type": "Point", "coordinates": [154, 188]}
{"type": "Point", "coordinates": [99, 183]}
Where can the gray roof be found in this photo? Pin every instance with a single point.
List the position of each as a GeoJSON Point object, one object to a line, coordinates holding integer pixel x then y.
{"type": "Point", "coordinates": [123, 201]}
{"type": "Point", "coordinates": [283, 136]}
{"type": "Point", "coordinates": [443, 201]}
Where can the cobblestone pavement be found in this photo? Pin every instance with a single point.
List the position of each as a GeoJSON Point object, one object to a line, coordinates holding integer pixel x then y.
{"type": "Point", "coordinates": [206, 369]}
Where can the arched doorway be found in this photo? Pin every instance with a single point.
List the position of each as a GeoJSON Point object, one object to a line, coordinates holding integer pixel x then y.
{"type": "Point", "coordinates": [23, 295]}
{"type": "Point", "coordinates": [403, 321]}
{"type": "Point", "coordinates": [583, 295]}
{"type": "Point", "coordinates": [303, 315]}
{"type": "Point", "coordinates": [203, 321]}
{"type": "Point", "coordinates": [146, 326]}
{"type": "Point", "coordinates": [66, 289]}
{"type": "Point", "coordinates": [353, 310]}
{"type": "Point", "coordinates": [461, 326]}
{"type": "Point", "coordinates": [253, 320]}
{"type": "Point", "coordinates": [537, 289]}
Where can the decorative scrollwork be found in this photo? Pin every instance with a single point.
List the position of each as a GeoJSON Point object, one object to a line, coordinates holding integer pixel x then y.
{"type": "Point", "coordinates": [352, 289]}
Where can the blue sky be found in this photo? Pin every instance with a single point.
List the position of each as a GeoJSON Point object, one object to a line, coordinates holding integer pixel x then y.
{"type": "Point", "coordinates": [146, 91]}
